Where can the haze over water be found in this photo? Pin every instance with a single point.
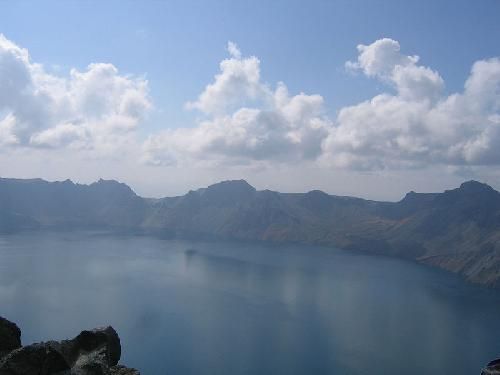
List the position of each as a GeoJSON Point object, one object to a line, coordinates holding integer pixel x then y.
{"type": "Point", "coordinates": [184, 307]}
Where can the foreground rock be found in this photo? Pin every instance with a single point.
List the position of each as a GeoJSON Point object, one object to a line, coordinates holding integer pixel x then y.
{"type": "Point", "coordinates": [10, 337]}
{"type": "Point", "coordinates": [94, 352]}
{"type": "Point", "coordinates": [493, 368]}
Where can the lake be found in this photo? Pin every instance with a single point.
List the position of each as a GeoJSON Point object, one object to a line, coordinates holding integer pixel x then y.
{"type": "Point", "coordinates": [185, 307]}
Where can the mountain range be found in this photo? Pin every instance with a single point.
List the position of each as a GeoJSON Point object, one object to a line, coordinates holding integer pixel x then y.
{"type": "Point", "coordinates": [457, 230]}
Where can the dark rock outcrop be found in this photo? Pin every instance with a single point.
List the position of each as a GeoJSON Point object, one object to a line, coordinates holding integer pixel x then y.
{"type": "Point", "coordinates": [122, 370]}
{"type": "Point", "coordinates": [10, 337]}
{"type": "Point", "coordinates": [493, 368]}
{"type": "Point", "coordinates": [94, 352]}
{"type": "Point", "coordinates": [34, 359]}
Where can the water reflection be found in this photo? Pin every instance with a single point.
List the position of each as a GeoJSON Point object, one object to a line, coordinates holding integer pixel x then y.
{"type": "Point", "coordinates": [223, 308]}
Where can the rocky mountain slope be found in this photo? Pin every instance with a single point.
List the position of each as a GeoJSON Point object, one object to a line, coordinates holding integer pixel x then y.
{"type": "Point", "coordinates": [37, 203]}
{"type": "Point", "coordinates": [458, 230]}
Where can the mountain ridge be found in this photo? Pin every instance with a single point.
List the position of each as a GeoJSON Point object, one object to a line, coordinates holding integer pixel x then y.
{"type": "Point", "coordinates": [457, 230]}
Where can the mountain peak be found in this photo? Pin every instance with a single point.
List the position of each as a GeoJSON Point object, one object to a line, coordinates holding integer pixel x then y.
{"type": "Point", "coordinates": [473, 186]}
{"type": "Point", "coordinates": [112, 186]}
{"type": "Point", "coordinates": [228, 191]}
{"type": "Point", "coordinates": [109, 183]}
{"type": "Point", "coordinates": [102, 181]}
{"type": "Point", "coordinates": [410, 194]}
{"type": "Point", "coordinates": [239, 185]}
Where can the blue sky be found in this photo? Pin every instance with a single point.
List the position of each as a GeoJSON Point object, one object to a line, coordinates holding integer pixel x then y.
{"type": "Point", "coordinates": [178, 45]}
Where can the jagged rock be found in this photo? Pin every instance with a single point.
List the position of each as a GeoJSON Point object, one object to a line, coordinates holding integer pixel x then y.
{"type": "Point", "coordinates": [94, 352]}
{"type": "Point", "coordinates": [10, 337]}
{"type": "Point", "coordinates": [493, 368]}
{"type": "Point", "coordinates": [122, 370]}
{"type": "Point", "coordinates": [35, 359]}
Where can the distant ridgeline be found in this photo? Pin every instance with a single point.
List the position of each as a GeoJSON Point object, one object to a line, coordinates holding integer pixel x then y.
{"type": "Point", "coordinates": [458, 230]}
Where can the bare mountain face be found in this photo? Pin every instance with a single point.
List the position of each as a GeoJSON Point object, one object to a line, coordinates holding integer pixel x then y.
{"type": "Point", "coordinates": [64, 205]}
{"type": "Point", "coordinates": [458, 230]}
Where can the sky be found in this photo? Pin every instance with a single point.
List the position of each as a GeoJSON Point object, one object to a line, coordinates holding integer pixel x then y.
{"type": "Point", "coordinates": [364, 98]}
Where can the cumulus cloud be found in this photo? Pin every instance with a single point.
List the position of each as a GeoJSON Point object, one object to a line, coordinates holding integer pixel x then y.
{"type": "Point", "coordinates": [247, 122]}
{"type": "Point", "coordinates": [238, 84]}
{"type": "Point", "coordinates": [383, 60]}
{"type": "Point", "coordinates": [7, 137]}
{"type": "Point", "coordinates": [413, 124]}
{"type": "Point", "coordinates": [87, 109]}
{"type": "Point", "coordinates": [417, 125]}
{"type": "Point", "coordinates": [60, 135]}
{"type": "Point", "coordinates": [380, 58]}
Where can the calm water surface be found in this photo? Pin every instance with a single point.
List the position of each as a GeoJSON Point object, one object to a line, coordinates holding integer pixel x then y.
{"type": "Point", "coordinates": [184, 307]}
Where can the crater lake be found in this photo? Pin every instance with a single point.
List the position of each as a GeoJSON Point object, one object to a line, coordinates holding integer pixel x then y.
{"type": "Point", "coordinates": [193, 307]}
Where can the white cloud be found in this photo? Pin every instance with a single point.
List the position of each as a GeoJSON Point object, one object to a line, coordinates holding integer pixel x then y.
{"type": "Point", "coordinates": [238, 84]}
{"type": "Point", "coordinates": [7, 137]}
{"type": "Point", "coordinates": [61, 135]}
{"type": "Point", "coordinates": [417, 126]}
{"type": "Point", "coordinates": [39, 109]}
{"type": "Point", "coordinates": [384, 60]}
{"type": "Point", "coordinates": [248, 122]}
{"type": "Point", "coordinates": [380, 58]}
{"type": "Point", "coordinates": [233, 50]}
